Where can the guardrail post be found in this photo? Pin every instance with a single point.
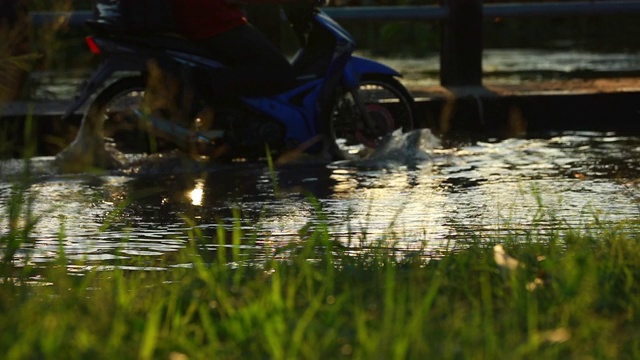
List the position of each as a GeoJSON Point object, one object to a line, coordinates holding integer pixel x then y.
{"type": "Point", "coordinates": [461, 52]}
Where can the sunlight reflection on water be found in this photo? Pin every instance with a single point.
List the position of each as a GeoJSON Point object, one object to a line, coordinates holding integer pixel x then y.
{"type": "Point", "coordinates": [480, 190]}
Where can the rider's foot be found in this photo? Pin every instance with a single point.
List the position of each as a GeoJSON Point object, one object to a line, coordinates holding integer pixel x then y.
{"type": "Point", "coordinates": [85, 155]}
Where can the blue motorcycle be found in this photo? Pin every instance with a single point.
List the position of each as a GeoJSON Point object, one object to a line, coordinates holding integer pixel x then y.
{"type": "Point", "coordinates": [144, 100]}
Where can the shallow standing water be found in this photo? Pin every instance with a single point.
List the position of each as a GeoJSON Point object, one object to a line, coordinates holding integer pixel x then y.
{"type": "Point", "coordinates": [435, 196]}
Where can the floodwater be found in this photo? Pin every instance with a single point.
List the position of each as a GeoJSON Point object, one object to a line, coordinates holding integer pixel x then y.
{"type": "Point", "coordinates": [430, 196]}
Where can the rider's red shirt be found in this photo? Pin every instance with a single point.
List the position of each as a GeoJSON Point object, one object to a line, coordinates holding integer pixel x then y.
{"type": "Point", "coordinates": [200, 19]}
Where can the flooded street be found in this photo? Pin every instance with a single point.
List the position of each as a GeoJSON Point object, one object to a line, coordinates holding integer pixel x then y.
{"type": "Point", "coordinates": [140, 217]}
{"type": "Point", "coordinates": [436, 197]}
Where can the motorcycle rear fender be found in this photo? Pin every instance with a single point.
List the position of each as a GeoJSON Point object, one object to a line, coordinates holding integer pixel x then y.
{"type": "Point", "coordinates": [100, 77]}
{"type": "Point", "coordinates": [358, 66]}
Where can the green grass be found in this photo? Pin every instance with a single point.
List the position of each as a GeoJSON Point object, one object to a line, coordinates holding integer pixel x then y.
{"type": "Point", "coordinates": [571, 294]}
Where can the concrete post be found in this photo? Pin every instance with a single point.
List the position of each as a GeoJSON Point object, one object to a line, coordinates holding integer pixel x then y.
{"type": "Point", "coordinates": [461, 52]}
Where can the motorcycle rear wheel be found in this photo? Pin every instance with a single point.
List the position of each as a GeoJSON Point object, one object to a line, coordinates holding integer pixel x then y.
{"type": "Point", "coordinates": [113, 111]}
{"type": "Point", "coordinates": [390, 107]}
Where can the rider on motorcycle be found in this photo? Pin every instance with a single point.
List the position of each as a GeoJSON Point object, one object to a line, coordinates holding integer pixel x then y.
{"type": "Point", "coordinates": [254, 67]}
{"type": "Point", "coordinates": [164, 95]}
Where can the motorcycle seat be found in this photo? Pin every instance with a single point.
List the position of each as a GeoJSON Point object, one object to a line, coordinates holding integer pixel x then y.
{"type": "Point", "coordinates": [165, 40]}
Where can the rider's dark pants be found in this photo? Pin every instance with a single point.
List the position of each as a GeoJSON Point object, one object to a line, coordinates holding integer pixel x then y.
{"type": "Point", "coordinates": [255, 66]}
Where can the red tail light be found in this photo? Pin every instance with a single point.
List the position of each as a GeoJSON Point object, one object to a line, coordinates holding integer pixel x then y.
{"type": "Point", "coordinates": [91, 43]}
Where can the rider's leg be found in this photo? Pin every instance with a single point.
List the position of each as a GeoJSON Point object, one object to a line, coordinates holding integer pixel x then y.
{"type": "Point", "coordinates": [256, 66]}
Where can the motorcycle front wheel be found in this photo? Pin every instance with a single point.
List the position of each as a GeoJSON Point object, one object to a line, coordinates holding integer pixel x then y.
{"type": "Point", "coordinates": [389, 106]}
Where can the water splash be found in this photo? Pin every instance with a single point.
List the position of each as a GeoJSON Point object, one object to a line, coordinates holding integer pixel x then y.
{"type": "Point", "coordinates": [399, 149]}
{"type": "Point", "coordinates": [19, 169]}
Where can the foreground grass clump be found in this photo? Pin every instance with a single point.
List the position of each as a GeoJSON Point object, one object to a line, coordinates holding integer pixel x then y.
{"type": "Point", "coordinates": [575, 298]}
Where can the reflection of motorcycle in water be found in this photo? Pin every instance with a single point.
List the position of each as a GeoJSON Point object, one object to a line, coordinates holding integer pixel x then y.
{"type": "Point", "coordinates": [341, 107]}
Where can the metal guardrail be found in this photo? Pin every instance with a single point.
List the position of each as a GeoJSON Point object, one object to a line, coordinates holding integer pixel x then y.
{"type": "Point", "coordinates": [461, 51]}
{"type": "Point", "coordinates": [419, 12]}
{"type": "Point", "coordinates": [430, 12]}
{"type": "Point", "coordinates": [427, 12]}
{"type": "Point", "coordinates": [594, 7]}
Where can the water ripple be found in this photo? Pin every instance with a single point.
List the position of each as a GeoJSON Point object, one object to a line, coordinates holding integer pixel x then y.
{"type": "Point", "coordinates": [516, 186]}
